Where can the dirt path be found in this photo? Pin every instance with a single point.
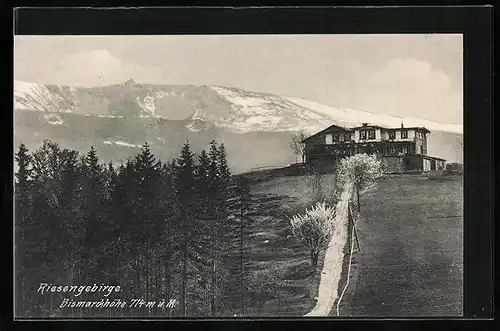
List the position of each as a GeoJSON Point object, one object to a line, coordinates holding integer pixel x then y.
{"type": "Point", "coordinates": [332, 266]}
{"type": "Point", "coordinates": [411, 263]}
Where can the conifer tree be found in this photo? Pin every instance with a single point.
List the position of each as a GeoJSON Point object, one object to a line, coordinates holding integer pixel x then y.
{"type": "Point", "coordinates": [243, 208]}
{"type": "Point", "coordinates": [52, 195]}
{"type": "Point", "coordinates": [92, 206]}
{"type": "Point", "coordinates": [155, 227]}
{"type": "Point", "coordinates": [224, 171]}
{"type": "Point", "coordinates": [23, 178]}
{"type": "Point", "coordinates": [184, 184]}
{"type": "Point", "coordinates": [214, 214]}
{"type": "Point", "coordinates": [147, 186]}
{"type": "Point", "coordinates": [23, 221]}
{"type": "Point", "coordinates": [123, 224]}
{"type": "Point", "coordinates": [168, 234]}
{"type": "Point", "coordinates": [69, 211]}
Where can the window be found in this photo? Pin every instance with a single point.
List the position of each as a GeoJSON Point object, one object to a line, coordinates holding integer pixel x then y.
{"type": "Point", "coordinates": [392, 134]}
{"type": "Point", "coordinates": [404, 134]}
{"type": "Point", "coordinates": [335, 137]}
{"type": "Point", "coordinates": [362, 135]}
{"type": "Point", "coordinates": [328, 139]}
{"type": "Point", "coordinates": [347, 136]}
{"type": "Point", "coordinates": [371, 134]}
{"type": "Point", "coordinates": [405, 150]}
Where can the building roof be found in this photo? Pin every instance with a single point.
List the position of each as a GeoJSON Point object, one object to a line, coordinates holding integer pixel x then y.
{"type": "Point", "coordinates": [327, 129]}
{"type": "Point", "coordinates": [419, 128]}
{"type": "Point", "coordinates": [433, 158]}
{"type": "Point", "coordinates": [390, 129]}
{"type": "Point", "coordinates": [367, 126]}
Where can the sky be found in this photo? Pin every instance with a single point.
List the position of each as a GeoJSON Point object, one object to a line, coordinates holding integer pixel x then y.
{"type": "Point", "coordinates": [403, 75]}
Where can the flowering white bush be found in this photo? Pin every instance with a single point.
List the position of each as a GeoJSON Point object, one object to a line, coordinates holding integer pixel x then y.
{"type": "Point", "coordinates": [362, 170]}
{"type": "Point", "coordinates": [313, 228]}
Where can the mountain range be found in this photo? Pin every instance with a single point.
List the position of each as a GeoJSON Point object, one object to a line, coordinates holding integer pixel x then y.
{"type": "Point", "coordinates": [255, 127]}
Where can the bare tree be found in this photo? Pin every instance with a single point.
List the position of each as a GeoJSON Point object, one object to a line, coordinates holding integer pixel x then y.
{"type": "Point", "coordinates": [277, 286]}
{"type": "Point", "coordinates": [297, 145]}
{"type": "Point", "coordinates": [259, 290]}
{"type": "Point", "coordinates": [269, 285]}
{"type": "Point", "coordinates": [323, 186]}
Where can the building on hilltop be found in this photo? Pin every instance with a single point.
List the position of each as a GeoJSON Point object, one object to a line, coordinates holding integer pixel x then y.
{"type": "Point", "coordinates": [402, 149]}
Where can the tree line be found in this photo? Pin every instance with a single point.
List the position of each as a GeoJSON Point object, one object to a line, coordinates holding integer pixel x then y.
{"type": "Point", "coordinates": [159, 230]}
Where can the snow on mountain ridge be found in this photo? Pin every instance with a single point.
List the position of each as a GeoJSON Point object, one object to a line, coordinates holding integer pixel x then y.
{"type": "Point", "coordinates": [39, 97]}
{"type": "Point", "coordinates": [147, 104]}
{"type": "Point", "coordinates": [236, 110]}
{"type": "Point", "coordinates": [352, 117]}
{"type": "Point", "coordinates": [252, 111]}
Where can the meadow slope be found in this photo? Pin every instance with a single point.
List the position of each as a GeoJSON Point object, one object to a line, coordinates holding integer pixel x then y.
{"type": "Point", "coordinates": [411, 259]}
{"type": "Point", "coordinates": [273, 247]}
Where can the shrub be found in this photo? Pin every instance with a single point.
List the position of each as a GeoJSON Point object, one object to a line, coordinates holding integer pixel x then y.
{"type": "Point", "coordinates": [313, 228]}
{"type": "Point", "coordinates": [362, 170]}
{"type": "Point", "coordinates": [454, 168]}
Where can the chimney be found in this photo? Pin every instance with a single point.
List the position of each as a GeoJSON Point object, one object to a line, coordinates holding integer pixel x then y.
{"type": "Point", "coordinates": [402, 126]}
{"type": "Point", "coordinates": [365, 124]}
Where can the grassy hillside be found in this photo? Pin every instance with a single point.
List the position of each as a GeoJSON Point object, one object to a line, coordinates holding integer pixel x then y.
{"type": "Point", "coordinates": [411, 259]}
{"type": "Point", "coordinates": [274, 250]}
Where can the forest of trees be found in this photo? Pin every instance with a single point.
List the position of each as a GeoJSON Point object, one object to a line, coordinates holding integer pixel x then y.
{"type": "Point", "coordinates": [159, 230]}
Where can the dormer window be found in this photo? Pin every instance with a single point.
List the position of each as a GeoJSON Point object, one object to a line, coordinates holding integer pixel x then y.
{"type": "Point", "coordinates": [371, 134]}
{"type": "Point", "coordinates": [347, 136]}
{"type": "Point", "coordinates": [392, 134]}
{"type": "Point", "coordinates": [362, 134]}
{"type": "Point", "coordinates": [335, 137]}
{"type": "Point", "coordinates": [404, 134]}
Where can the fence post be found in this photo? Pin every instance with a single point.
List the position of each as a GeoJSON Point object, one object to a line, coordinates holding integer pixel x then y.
{"type": "Point", "coordinates": [355, 231]}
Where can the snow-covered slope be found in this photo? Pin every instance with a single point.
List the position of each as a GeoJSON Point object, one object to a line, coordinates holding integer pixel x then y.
{"type": "Point", "coordinates": [230, 108]}
{"type": "Point", "coordinates": [255, 127]}
{"type": "Point", "coordinates": [42, 97]}
{"type": "Point", "coordinates": [351, 117]}
{"type": "Point", "coordinates": [265, 112]}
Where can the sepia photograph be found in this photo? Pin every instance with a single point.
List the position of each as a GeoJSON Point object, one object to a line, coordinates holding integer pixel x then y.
{"type": "Point", "coordinates": [235, 176]}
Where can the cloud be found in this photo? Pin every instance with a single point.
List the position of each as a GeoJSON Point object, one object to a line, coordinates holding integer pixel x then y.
{"type": "Point", "coordinates": [94, 61]}
{"type": "Point", "coordinates": [401, 75]}
{"type": "Point", "coordinates": [413, 84]}
{"type": "Point", "coordinates": [402, 87]}
{"type": "Point", "coordinates": [95, 67]}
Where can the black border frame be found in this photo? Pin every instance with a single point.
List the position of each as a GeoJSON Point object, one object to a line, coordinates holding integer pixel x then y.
{"type": "Point", "coordinates": [475, 22]}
